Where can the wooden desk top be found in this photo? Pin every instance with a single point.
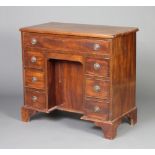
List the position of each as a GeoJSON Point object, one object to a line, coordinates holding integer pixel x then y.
{"type": "Point", "coordinates": [84, 30]}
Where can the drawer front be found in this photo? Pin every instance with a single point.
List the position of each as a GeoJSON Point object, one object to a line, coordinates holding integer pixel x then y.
{"type": "Point", "coordinates": [66, 44]}
{"type": "Point", "coordinates": [97, 88]}
{"type": "Point", "coordinates": [34, 59]}
{"type": "Point", "coordinates": [34, 79]}
{"type": "Point", "coordinates": [97, 67]}
{"type": "Point", "coordinates": [97, 109]}
{"type": "Point", "coordinates": [35, 99]}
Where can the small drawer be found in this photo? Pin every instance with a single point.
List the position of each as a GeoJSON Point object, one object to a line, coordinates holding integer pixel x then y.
{"type": "Point", "coordinates": [34, 79]}
{"type": "Point", "coordinates": [97, 67]}
{"type": "Point", "coordinates": [97, 109]}
{"type": "Point", "coordinates": [34, 59]}
{"type": "Point", "coordinates": [35, 99]}
{"type": "Point", "coordinates": [97, 88]}
{"type": "Point", "coordinates": [66, 43]}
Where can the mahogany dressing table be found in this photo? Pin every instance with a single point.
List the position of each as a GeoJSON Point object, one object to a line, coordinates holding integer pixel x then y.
{"type": "Point", "coordinates": [86, 69]}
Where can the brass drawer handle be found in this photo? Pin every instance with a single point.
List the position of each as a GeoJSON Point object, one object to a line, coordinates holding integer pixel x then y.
{"type": "Point", "coordinates": [97, 88]}
{"type": "Point", "coordinates": [33, 41]}
{"type": "Point", "coordinates": [34, 79]}
{"type": "Point", "coordinates": [97, 66]}
{"type": "Point", "coordinates": [97, 109]}
{"type": "Point", "coordinates": [34, 98]}
{"type": "Point", "coordinates": [96, 47]}
{"type": "Point", "coordinates": [33, 59]}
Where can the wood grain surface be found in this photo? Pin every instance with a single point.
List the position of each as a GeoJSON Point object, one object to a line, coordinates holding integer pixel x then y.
{"type": "Point", "coordinates": [84, 30]}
